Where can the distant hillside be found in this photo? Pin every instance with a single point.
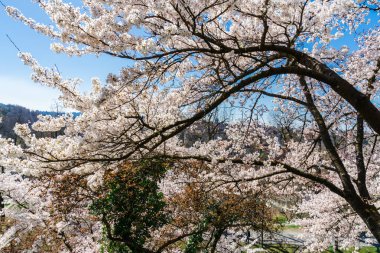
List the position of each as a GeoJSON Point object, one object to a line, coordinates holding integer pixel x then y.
{"type": "Point", "coordinates": [12, 114]}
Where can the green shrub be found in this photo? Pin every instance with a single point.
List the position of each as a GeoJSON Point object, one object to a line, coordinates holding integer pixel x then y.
{"type": "Point", "coordinates": [131, 206]}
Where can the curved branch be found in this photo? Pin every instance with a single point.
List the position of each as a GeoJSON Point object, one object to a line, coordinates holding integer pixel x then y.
{"type": "Point", "coordinates": [287, 167]}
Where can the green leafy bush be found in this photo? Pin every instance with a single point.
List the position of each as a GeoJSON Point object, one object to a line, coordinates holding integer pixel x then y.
{"type": "Point", "coordinates": [131, 206]}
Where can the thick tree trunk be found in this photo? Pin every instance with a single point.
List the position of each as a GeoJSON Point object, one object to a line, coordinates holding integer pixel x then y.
{"type": "Point", "coordinates": [368, 213]}
{"type": "Point", "coordinates": [321, 72]}
{"type": "Point", "coordinates": [217, 237]}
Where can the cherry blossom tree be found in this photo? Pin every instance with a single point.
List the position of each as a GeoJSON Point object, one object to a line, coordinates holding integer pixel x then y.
{"type": "Point", "coordinates": [190, 59]}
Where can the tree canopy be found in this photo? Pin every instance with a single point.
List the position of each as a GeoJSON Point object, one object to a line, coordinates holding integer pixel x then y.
{"type": "Point", "coordinates": [194, 96]}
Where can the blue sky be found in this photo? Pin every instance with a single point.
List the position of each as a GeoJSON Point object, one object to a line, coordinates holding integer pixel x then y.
{"type": "Point", "coordinates": [15, 84]}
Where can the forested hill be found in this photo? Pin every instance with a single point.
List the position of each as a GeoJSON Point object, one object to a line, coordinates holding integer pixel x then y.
{"type": "Point", "coordinates": [12, 114]}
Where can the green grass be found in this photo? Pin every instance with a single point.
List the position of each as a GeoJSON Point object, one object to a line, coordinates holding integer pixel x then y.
{"type": "Point", "coordinates": [292, 226]}
{"type": "Point", "coordinates": [280, 219]}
